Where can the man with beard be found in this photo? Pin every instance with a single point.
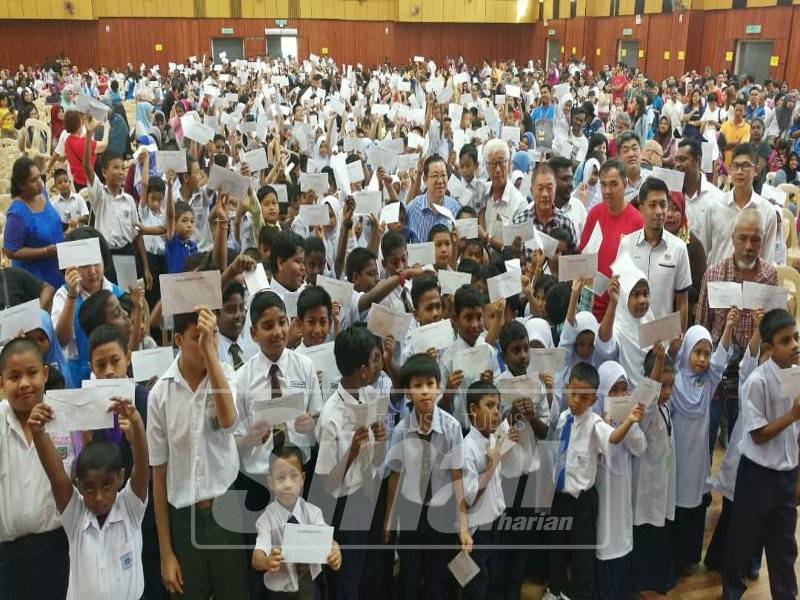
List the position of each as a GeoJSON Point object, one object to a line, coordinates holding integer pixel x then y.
{"type": "Point", "coordinates": [235, 347]}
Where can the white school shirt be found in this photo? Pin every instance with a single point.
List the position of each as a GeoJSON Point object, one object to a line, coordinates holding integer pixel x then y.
{"type": "Point", "coordinates": [352, 315]}
{"type": "Point", "coordinates": [446, 365]}
{"type": "Point", "coordinates": [588, 439]}
{"type": "Point", "coordinates": [246, 344]}
{"type": "Point", "coordinates": [59, 301]}
{"type": "Point", "coordinates": [654, 479]}
{"type": "Point", "coordinates": [692, 461]}
{"type": "Point", "coordinates": [718, 227]}
{"type": "Point", "coordinates": [666, 266]}
{"type": "Point", "coordinates": [615, 505]}
{"type": "Point", "coordinates": [725, 480]}
{"type": "Point", "coordinates": [105, 562]}
{"type": "Point", "coordinates": [69, 208]}
{"type": "Point", "coordinates": [201, 201]}
{"type": "Point", "coordinates": [524, 456]}
{"type": "Point", "coordinates": [287, 296]}
{"type": "Point", "coordinates": [116, 217]}
{"type": "Point", "coordinates": [764, 403]}
{"type": "Point", "coordinates": [296, 373]}
{"type": "Point", "coordinates": [335, 430]}
{"type": "Point", "coordinates": [269, 528]}
{"type": "Point", "coordinates": [154, 244]}
{"type": "Point", "coordinates": [394, 299]}
{"type": "Point", "coordinates": [491, 504]}
{"type": "Point", "coordinates": [26, 499]}
{"type": "Point", "coordinates": [502, 212]}
{"type": "Point", "coordinates": [697, 205]}
{"type": "Point", "coordinates": [182, 433]}
{"type": "Point", "coordinates": [447, 454]}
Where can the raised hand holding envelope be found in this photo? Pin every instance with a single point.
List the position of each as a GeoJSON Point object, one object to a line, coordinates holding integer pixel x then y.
{"type": "Point", "coordinates": [174, 160]}
{"type": "Point", "coordinates": [383, 321]}
{"type": "Point", "coordinates": [450, 281]}
{"type": "Point", "coordinates": [21, 318]}
{"type": "Point", "coordinates": [576, 266]}
{"type": "Point", "coordinates": [314, 215]}
{"type": "Point", "coordinates": [467, 228]}
{"type": "Point", "coordinates": [340, 292]}
{"type": "Point", "coordinates": [665, 328]}
{"type": "Point", "coordinates": [78, 410]}
{"type": "Point", "coordinates": [473, 361]}
{"type": "Point", "coordinates": [185, 292]}
{"type": "Point", "coordinates": [79, 253]}
{"type": "Point", "coordinates": [438, 335]}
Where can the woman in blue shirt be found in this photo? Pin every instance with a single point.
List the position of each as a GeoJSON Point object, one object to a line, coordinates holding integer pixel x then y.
{"type": "Point", "coordinates": [33, 226]}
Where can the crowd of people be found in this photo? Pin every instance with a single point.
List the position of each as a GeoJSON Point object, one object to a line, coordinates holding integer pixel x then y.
{"type": "Point", "coordinates": [434, 328]}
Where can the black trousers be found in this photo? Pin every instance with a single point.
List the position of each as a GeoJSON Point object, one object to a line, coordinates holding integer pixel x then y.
{"type": "Point", "coordinates": [652, 558]}
{"type": "Point", "coordinates": [352, 521]}
{"type": "Point", "coordinates": [688, 534]}
{"type": "Point", "coordinates": [582, 537]}
{"type": "Point", "coordinates": [520, 531]}
{"type": "Point", "coordinates": [763, 510]}
{"type": "Point", "coordinates": [717, 547]}
{"type": "Point", "coordinates": [35, 567]}
{"type": "Point", "coordinates": [487, 583]}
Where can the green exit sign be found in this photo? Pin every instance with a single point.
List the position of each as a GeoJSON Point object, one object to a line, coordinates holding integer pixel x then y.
{"type": "Point", "coordinates": [627, 31]}
{"type": "Point", "coordinates": [752, 29]}
{"type": "Point", "coordinates": [281, 22]}
{"type": "Point", "coordinates": [227, 31]}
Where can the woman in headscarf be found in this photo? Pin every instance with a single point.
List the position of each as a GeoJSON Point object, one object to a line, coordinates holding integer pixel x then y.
{"type": "Point", "coordinates": [144, 115]}
{"type": "Point", "coordinates": [67, 98]}
{"type": "Point", "coordinates": [614, 490]}
{"type": "Point", "coordinates": [698, 372]}
{"type": "Point", "coordinates": [669, 146]}
{"type": "Point", "coordinates": [118, 134]}
{"type": "Point", "coordinates": [330, 232]}
{"type": "Point", "coordinates": [563, 117]}
{"type": "Point", "coordinates": [783, 115]}
{"type": "Point", "coordinates": [590, 183]}
{"type": "Point", "coordinates": [56, 122]}
{"type": "Point", "coordinates": [180, 108]}
{"type": "Point", "coordinates": [677, 224]}
{"type": "Point", "coordinates": [631, 306]}
{"type": "Point", "coordinates": [598, 149]}
{"type": "Point", "coordinates": [45, 338]}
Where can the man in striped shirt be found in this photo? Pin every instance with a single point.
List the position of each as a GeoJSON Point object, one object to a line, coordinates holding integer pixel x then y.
{"type": "Point", "coordinates": [434, 206]}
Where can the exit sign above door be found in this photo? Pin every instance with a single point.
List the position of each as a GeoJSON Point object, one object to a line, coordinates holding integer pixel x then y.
{"type": "Point", "coordinates": [752, 29]}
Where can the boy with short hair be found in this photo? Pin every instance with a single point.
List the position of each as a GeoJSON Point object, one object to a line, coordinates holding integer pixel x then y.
{"type": "Point", "coordinates": [191, 416]}
{"type": "Point", "coordinates": [70, 205]}
{"type": "Point", "coordinates": [236, 346]}
{"type": "Point", "coordinates": [103, 526]}
{"type": "Point", "coordinates": [428, 501]}
{"type": "Point", "coordinates": [153, 219]}
{"type": "Point", "coordinates": [582, 437]}
{"type": "Point", "coordinates": [446, 257]}
{"type": "Point", "coordinates": [765, 494]}
{"type": "Point", "coordinates": [395, 262]}
{"type": "Point", "coordinates": [287, 265]}
{"type": "Point", "coordinates": [180, 227]}
{"type": "Point", "coordinates": [285, 481]}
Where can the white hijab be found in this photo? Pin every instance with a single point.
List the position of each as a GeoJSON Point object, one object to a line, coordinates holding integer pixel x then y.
{"type": "Point", "coordinates": [560, 124]}
{"type": "Point", "coordinates": [626, 329]}
{"type": "Point", "coordinates": [331, 239]}
{"type": "Point", "coordinates": [592, 192]}
{"type": "Point", "coordinates": [539, 331]}
{"type": "Point", "coordinates": [610, 373]}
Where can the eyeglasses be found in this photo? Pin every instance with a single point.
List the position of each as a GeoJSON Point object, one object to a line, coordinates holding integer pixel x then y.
{"type": "Point", "coordinates": [741, 167]}
{"type": "Point", "coordinates": [498, 163]}
{"type": "Point", "coordinates": [437, 176]}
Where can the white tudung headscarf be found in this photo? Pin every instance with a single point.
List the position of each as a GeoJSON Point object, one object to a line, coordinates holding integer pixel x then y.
{"type": "Point", "coordinates": [539, 331]}
{"type": "Point", "coordinates": [330, 240]}
{"type": "Point", "coordinates": [593, 195]}
{"type": "Point", "coordinates": [626, 327]}
{"type": "Point", "coordinates": [610, 373]}
{"type": "Point", "coordinates": [560, 124]}
{"type": "Point", "coordinates": [687, 393]}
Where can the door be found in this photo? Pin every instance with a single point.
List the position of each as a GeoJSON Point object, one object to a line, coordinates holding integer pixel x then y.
{"type": "Point", "coordinates": [629, 53]}
{"type": "Point", "coordinates": [553, 51]}
{"type": "Point", "coordinates": [752, 58]}
{"type": "Point", "coordinates": [233, 47]}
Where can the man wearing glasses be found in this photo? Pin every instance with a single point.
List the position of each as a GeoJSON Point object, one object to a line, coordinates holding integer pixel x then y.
{"type": "Point", "coordinates": [501, 201]}
{"type": "Point", "coordinates": [718, 221]}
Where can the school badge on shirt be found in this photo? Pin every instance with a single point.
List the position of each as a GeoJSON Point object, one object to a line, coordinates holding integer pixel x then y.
{"type": "Point", "coordinates": [126, 561]}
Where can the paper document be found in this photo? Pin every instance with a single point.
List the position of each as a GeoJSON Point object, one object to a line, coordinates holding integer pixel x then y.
{"type": "Point", "coordinates": [151, 363]}
{"type": "Point", "coordinates": [185, 292]}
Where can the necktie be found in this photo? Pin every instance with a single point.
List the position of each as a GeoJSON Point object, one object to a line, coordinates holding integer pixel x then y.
{"type": "Point", "coordinates": [406, 302]}
{"type": "Point", "coordinates": [425, 469]}
{"type": "Point", "coordinates": [293, 520]}
{"type": "Point", "coordinates": [236, 355]}
{"type": "Point", "coordinates": [278, 433]}
{"type": "Point", "coordinates": [563, 444]}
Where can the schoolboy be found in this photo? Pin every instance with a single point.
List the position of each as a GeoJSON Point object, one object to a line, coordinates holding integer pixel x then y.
{"type": "Point", "coordinates": [285, 481]}
{"type": "Point", "coordinates": [426, 505]}
{"type": "Point", "coordinates": [30, 530]}
{"type": "Point", "coordinates": [485, 448]}
{"type": "Point", "coordinates": [236, 346]}
{"type": "Point", "coordinates": [153, 225]}
{"type": "Point", "coordinates": [446, 256]}
{"type": "Point", "coordinates": [115, 212]}
{"type": "Point", "coordinates": [191, 416]}
{"type": "Point", "coordinates": [395, 261]}
{"type": "Point", "coordinates": [70, 206]}
{"type": "Point", "coordinates": [287, 265]}
{"type": "Point", "coordinates": [582, 436]}
{"type": "Point", "coordinates": [314, 259]}
{"type": "Point", "coordinates": [270, 209]}
{"type": "Point", "coordinates": [764, 498]}
{"type": "Point", "coordinates": [426, 298]}
{"type": "Point", "coordinates": [103, 526]}
{"type": "Point", "coordinates": [350, 459]}
{"type": "Point", "coordinates": [468, 322]}
{"type": "Point", "coordinates": [180, 227]}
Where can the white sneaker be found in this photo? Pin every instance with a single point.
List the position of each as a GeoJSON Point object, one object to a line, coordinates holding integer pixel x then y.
{"type": "Point", "coordinates": [548, 595]}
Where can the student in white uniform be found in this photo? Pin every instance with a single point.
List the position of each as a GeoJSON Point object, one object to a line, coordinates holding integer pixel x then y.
{"type": "Point", "coordinates": [350, 459]}
{"type": "Point", "coordinates": [468, 321]}
{"type": "Point", "coordinates": [30, 531]}
{"type": "Point", "coordinates": [236, 346]}
{"type": "Point", "coordinates": [698, 372]}
{"type": "Point", "coordinates": [190, 421]}
{"type": "Point", "coordinates": [426, 298]}
{"type": "Point", "coordinates": [486, 448]}
{"type": "Point", "coordinates": [615, 506]}
{"type": "Point", "coordinates": [765, 495]}
{"type": "Point", "coordinates": [654, 485]}
{"type": "Point", "coordinates": [103, 524]}
{"type": "Point", "coordinates": [395, 261]}
{"type": "Point", "coordinates": [288, 269]}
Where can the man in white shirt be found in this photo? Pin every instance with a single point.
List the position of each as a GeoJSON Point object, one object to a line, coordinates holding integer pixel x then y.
{"type": "Point", "coordinates": [699, 192]}
{"type": "Point", "coordinates": [564, 200]}
{"type": "Point", "coordinates": [660, 255]}
{"type": "Point", "coordinates": [673, 110]}
{"type": "Point", "coordinates": [502, 201]}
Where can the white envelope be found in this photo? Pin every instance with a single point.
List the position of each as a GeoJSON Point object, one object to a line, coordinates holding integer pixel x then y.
{"type": "Point", "coordinates": [390, 213]}
{"type": "Point", "coordinates": [324, 360]}
{"type": "Point", "coordinates": [454, 111]}
{"type": "Point", "coordinates": [790, 382]}
{"type": "Point", "coordinates": [228, 182]}
{"type": "Point", "coordinates": [112, 388]}
{"type": "Point", "coordinates": [151, 363]}
{"type": "Point", "coordinates": [407, 161]}
{"type": "Point", "coordinates": [255, 159]}
{"type": "Point", "coordinates": [339, 291]}
{"type": "Point", "coordinates": [20, 318]}
{"type": "Point", "coordinates": [512, 91]}
{"type": "Point", "coordinates": [673, 179]}
{"type": "Point", "coordinates": [414, 140]}
{"type": "Point", "coordinates": [280, 190]}
{"type": "Point", "coordinates": [499, 100]}
{"type": "Point", "coordinates": [523, 230]}
{"type": "Point", "coordinates": [419, 59]}
{"type": "Point", "coordinates": [504, 285]}
{"type": "Point", "coordinates": [353, 144]}
{"type": "Point", "coordinates": [463, 568]}
{"type": "Point", "coordinates": [514, 388]}
{"type": "Point", "coordinates": [595, 240]}
{"type": "Point", "coordinates": [473, 361]}
{"type": "Point", "coordinates": [765, 297]}
{"type": "Point", "coordinates": [437, 335]}
{"type": "Point", "coordinates": [576, 266]}
{"type": "Point", "coordinates": [450, 281]}
{"type": "Point", "coordinates": [315, 181]}
{"type": "Point", "coordinates": [196, 131]}
{"type": "Point", "coordinates": [724, 294]}
{"type": "Point", "coordinates": [98, 110]}
{"type": "Point", "coordinates": [313, 215]}
{"type": "Point", "coordinates": [617, 409]}
{"type": "Point", "coordinates": [460, 78]}
{"type": "Point", "coordinates": [78, 410]}
{"type": "Point", "coordinates": [307, 544]}
{"type": "Point", "coordinates": [422, 254]}
{"type": "Point", "coordinates": [256, 280]}
{"type": "Point", "coordinates": [184, 292]}
{"type": "Point", "coordinates": [368, 203]}
{"type": "Point", "coordinates": [211, 121]}
{"type": "Point", "coordinates": [380, 109]}
{"type": "Point", "coordinates": [547, 359]}
{"type": "Point", "coordinates": [541, 241]}
{"type": "Point", "coordinates": [646, 392]}
{"type": "Point", "coordinates": [369, 413]}
{"type": "Point", "coordinates": [383, 321]}
{"type": "Point", "coordinates": [599, 284]}
{"type": "Point", "coordinates": [467, 228]}
{"type": "Point", "coordinates": [510, 134]}
{"type": "Point", "coordinates": [125, 266]}
{"type": "Point", "coordinates": [279, 410]}
{"type": "Point", "coordinates": [355, 171]}
{"type": "Point", "coordinates": [665, 329]}
{"type": "Point", "coordinates": [79, 253]}
{"type": "Point", "coordinates": [171, 159]}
